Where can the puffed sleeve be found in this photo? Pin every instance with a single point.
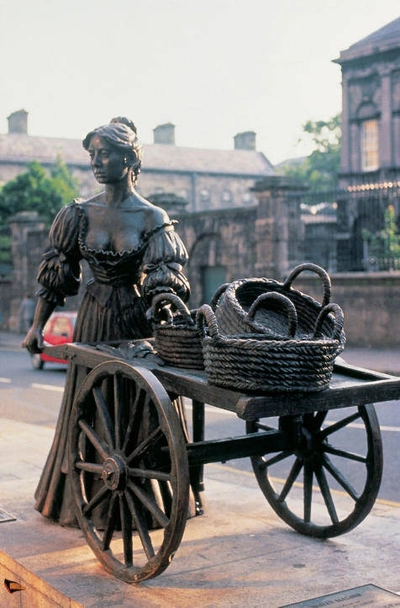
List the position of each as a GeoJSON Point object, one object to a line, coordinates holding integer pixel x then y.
{"type": "Point", "coordinates": [163, 262]}
{"type": "Point", "coordinates": [59, 271]}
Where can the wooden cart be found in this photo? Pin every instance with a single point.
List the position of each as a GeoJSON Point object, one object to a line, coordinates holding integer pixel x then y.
{"type": "Point", "coordinates": [298, 455]}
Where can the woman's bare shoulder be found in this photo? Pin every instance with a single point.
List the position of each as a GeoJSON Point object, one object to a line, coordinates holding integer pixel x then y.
{"type": "Point", "coordinates": [158, 213]}
{"type": "Point", "coordinates": [96, 199]}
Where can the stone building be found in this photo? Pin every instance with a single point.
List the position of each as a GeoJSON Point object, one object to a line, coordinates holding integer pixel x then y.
{"type": "Point", "coordinates": [370, 156]}
{"type": "Point", "coordinates": [371, 108]}
{"type": "Point", "coordinates": [206, 179]}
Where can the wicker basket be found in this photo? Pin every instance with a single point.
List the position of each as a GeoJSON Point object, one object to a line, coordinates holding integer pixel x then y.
{"type": "Point", "coordinates": [255, 362]}
{"type": "Point", "coordinates": [232, 303]}
{"type": "Point", "coordinates": [177, 338]}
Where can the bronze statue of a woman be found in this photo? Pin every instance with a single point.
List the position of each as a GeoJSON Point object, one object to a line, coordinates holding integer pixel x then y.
{"type": "Point", "coordinates": [133, 252]}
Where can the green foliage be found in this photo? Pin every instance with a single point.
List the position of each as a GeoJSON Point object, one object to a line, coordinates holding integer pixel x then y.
{"type": "Point", "coordinates": [320, 170]}
{"type": "Point", "coordinates": [36, 190]}
{"type": "Point", "coordinates": [384, 245]}
{"type": "Point", "coordinates": [5, 249]}
{"type": "Point", "coordinates": [62, 180]}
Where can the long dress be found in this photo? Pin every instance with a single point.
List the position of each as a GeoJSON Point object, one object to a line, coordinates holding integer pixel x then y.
{"type": "Point", "coordinates": [113, 308]}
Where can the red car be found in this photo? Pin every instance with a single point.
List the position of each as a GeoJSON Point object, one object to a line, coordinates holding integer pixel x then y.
{"type": "Point", "coordinates": [59, 329]}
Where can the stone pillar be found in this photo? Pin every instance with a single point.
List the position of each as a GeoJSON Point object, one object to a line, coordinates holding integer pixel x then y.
{"type": "Point", "coordinates": [28, 233]}
{"type": "Point", "coordinates": [346, 140]}
{"type": "Point", "coordinates": [385, 139]}
{"type": "Point", "coordinates": [279, 232]}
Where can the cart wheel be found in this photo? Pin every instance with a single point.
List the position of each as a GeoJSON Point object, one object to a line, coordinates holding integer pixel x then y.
{"type": "Point", "coordinates": [346, 471]}
{"type": "Point", "coordinates": [129, 470]}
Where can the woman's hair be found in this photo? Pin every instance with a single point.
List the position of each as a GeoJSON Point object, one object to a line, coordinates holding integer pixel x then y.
{"type": "Point", "coordinates": [120, 133]}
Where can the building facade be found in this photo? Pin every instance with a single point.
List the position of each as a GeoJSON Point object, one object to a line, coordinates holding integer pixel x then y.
{"type": "Point", "coordinates": [370, 155]}
{"type": "Point", "coordinates": [371, 108]}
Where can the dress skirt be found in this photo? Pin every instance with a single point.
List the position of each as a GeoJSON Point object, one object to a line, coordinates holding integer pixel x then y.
{"type": "Point", "coordinates": [120, 315]}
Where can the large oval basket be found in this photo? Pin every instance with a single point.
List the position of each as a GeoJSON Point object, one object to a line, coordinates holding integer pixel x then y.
{"type": "Point", "coordinates": [177, 338]}
{"type": "Point", "coordinates": [256, 362]}
{"type": "Point", "coordinates": [233, 301]}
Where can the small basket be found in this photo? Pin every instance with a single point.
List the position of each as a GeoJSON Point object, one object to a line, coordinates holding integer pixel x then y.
{"type": "Point", "coordinates": [232, 303]}
{"type": "Point", "coordinates": [255, 362]}
{"type": "Point", "coordinates": [177, 339]}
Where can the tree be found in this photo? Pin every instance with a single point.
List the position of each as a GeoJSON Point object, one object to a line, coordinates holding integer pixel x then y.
{"type": "Point", "coordinates": [66, 185]}
{"type": "Point", "coordinates": [36, 190]}
{"type": "Point", "coordinates": [319, 170]}
{"type": "Point", "coordinates": [383, 247]}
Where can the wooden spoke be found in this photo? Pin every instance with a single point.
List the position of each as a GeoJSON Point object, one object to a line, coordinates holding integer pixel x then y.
{"type": "Point", "coordinates": [104, 416]}
{"type": "Point", "coordinates": [101, 446]}
{"type": "Point", "coordinates": [326, 493]}
{"type": "Point", "coordinates": [96, 500]}
{"type": "Point", "coordinates": [344, 453]}
{"type": "Point", "coordinates": [144, 445]}
{"type": "Point", "coordinates": [149, 474]}
{"type": "Point", "coordinates": [150, 504]}
{"type": "Point", "coordinates": [141, 524]}
{"type": "Point", "coordinates": [126, 526]}
{"type": "Point", "coordinates": [265, 463]}
{"type": "Point", "coordinates": [308, 482]}
{"type": "Point", "coordinates": [293, 475]}
{"type": "Point", "coordinates": [111, 523]}
{"type": "Point", "coordinates": [341, 424]}
{"type": "Point", "coordinates": [133, 427]}
{"type": "Point", "coordinates": [336, 474]}
{"type": "Point", "coordinates": [118, 411]}
{"type": "Point", "coordinates": [90, 467]}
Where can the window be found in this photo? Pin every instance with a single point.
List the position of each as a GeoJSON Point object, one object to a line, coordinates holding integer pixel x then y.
{"type": "Point", "coordinates": [369, 145]}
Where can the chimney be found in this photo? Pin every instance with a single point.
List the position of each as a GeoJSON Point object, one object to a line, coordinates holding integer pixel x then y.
{"type": "Point", "coordinates": [18, 122]}
{"type": "Point", "coordinates": [165, 134]}
{"type": "Point", "coordinates": [245, 140]}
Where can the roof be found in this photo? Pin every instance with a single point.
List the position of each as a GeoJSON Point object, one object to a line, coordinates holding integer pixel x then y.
{"type": "Point", "coordinates": [386, 38]}
{"type": "Point", "coordinates": [198, 160]}
{"type": "Point", "coordinates": [22, 148]}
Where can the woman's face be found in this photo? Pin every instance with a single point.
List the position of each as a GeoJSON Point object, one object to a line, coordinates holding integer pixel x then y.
{"type": "Point", "coordinates": [108, 163]}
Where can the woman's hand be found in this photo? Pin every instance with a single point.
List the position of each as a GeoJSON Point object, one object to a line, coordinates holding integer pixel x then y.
{"type": "Point", "coordinates": [34, 341]}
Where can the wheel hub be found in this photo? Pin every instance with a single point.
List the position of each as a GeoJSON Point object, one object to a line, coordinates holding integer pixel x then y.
{"type": "Point", "coordinates": [114, 474]}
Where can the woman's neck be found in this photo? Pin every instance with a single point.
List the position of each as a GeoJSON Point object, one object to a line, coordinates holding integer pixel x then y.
{"type": "Point", "coordinates": [116, 193]}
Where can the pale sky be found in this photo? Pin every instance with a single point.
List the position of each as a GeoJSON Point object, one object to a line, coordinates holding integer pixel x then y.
{"type": "Point", "coordinates": [213, 68]}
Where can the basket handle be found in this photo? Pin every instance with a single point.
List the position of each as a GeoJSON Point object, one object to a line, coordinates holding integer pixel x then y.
{"type": "Point", "coordinates": [220, 290]}
{"type": "Point", "coordinates": [277, 301]}
{"type": "Point", "coordinates": [205, 317]}
{"type": "Point", "coordinates": [324, 276]}
{"type": "Point", "coordinates": [338, 321]}
{"type": "Point", "coordinates": [158, 304]}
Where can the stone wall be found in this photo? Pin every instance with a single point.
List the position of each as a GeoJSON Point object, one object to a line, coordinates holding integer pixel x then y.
{"type": "Point", "coordinates": [370, 302]}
